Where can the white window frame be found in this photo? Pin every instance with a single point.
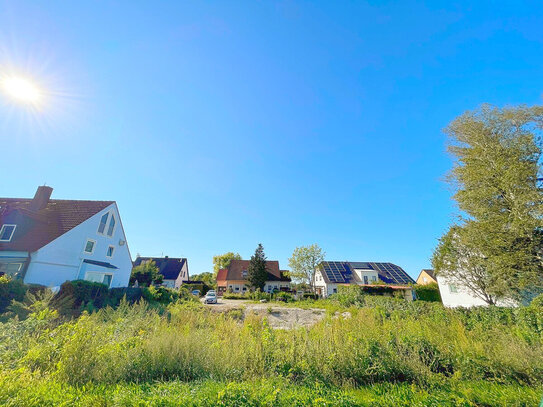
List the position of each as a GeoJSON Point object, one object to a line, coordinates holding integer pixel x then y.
{"type": "Point", "coordinates": [106, 224]}
{"type": "Point", "coordinates": [12, 232]}
{"type": "Point", "coordinates": [93, 246]}
{"type": "Point", "coordinates": [103, 275]}
{"type": "Point", "coordinates": [112, 251]}
{"type": "Point", "coordinates": [19, 268]}
{"type": "Point", "coordinates": [111, 216]}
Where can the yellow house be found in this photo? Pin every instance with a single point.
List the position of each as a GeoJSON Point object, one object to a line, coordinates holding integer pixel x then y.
{"type": "Point", "coordinates": [426, 276]}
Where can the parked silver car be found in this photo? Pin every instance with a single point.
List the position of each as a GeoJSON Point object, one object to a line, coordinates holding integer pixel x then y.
{"type": "Point", "coordinates": [210, 298]}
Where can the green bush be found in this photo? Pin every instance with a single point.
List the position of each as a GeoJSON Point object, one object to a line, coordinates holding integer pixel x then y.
{"type": "Point", "coordinates": [428, 292]}
{"type": "Point", "coordinates": [10, 290]}
{"type": "Point", "coordinates": [284, 296]}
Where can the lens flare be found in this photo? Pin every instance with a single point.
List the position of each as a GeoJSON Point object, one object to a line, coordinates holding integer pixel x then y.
{"type": "Point", "coordinates": [21, 89]}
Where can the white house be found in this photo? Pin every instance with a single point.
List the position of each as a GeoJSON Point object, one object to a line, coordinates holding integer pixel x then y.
{"type": "Point", "coordinates": [175, 271]}
{"type": "Point", "coordinates": [454, 294]}
{"type": "Point", "coordinates": [332, 274]}
{"type": "Point", "coordinates": [49, 241]}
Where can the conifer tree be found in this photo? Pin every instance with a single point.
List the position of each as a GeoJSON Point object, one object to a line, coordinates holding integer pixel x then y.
{"type": "Point", "coordinates": [257, 273]}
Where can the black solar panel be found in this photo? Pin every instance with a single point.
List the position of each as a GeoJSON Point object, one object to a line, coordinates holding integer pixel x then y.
{"type": "Point", "coordinates": [340, 272]}
{"type": "Point", "coordinates": [393, 273]}
{"type": "Point", "coordinates": [333, 270]}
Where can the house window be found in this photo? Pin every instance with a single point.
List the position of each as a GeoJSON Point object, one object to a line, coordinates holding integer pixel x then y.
{"type": "Point", "coordinates": [103, 222]}
{"type": "Point", "coordinates": [111, 227]}
{"type": "Point", "coordinates": [237, 288]}
{"type": "Point", "coordinates": [244, 274]}
{"type": "Point", "coordinates": [6, 233]}
{"type": "Point", "coordinates": [104, 226]}
{"type": "Point", "coordinates": [10, 269]}
{"type": "Point", "coordinates": [110, 251]}
{"type": "Point", "coordinates": [335, 290]}
{"type": "Point", "coordinates": [453, 289]}
{"type": "Point", "coordinates": [366, 280]}
{"type": "Point", "coordinates": [103, 278]}
{"type": "Point", "coordinates": [373, 279]}
{"type": "Point", "coordinates": [89, 246]}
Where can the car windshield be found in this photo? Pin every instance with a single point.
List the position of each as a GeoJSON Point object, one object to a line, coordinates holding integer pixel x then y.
{"type": "Point", "coordinates": [211, 294]}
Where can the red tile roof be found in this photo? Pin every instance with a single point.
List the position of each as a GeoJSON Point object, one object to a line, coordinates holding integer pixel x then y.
{"type": "Point", "coordinates": [35, 229]}
{"type": "Point", "coordinates": [221, 275]}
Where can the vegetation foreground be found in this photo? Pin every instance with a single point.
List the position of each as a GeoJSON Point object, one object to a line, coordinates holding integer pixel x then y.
{"type": "Point", "coordinates": [388, 352]}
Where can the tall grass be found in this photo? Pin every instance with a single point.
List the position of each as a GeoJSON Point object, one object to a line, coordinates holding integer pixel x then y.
{"type": "Point", "coordinates": [426, 346]}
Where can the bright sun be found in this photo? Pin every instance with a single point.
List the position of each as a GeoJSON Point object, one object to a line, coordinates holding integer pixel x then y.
{"type": "Point", "coordinates": [20, 89]}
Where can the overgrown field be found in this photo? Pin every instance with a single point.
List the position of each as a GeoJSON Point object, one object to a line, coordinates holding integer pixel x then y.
{"type": "Point", "coordinates": [388, 352]}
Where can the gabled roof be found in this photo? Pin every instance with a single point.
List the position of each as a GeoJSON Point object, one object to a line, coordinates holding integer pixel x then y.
{"type": "Point", "coordinates": [37, 228]}
{"type": "Point", "coordinates": [235, 271]}
{"type": "Point", "coordinates": [169, 267]}
{"type": "Point", "coordinates": [342, 272]}
{"type": "Point", "coordinates": [430, 272]}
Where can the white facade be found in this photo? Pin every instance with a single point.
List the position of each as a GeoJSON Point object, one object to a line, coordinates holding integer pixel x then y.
{"type": "Point", "coordinates": [367, 276]}
{"type": "Point", "coordinates": [322, 288]}
{"type": "Point", "coordinates": [455, 295]}
{"type": "Point", "coordinates": [269, 286]}
{"type": "Point", "coordinates": [63, 258]}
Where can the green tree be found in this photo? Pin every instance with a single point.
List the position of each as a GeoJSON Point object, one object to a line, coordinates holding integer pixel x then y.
{"type": "Point", "coordinates": [256, 272]}
{"type": "Point", "coordinates": [304, 262]}
{"type": "Point", "coordinates": [494, 250]}
{"type": "Point", "coordinates": [222, 261]}
{"type": "Point", "coordinates": [206, 277]}
{"type": "Point", "coordinates": [146, 274]}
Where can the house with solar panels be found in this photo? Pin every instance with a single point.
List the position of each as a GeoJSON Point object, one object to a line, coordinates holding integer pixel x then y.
{"type": "Point", "coordinates": [330, 275]}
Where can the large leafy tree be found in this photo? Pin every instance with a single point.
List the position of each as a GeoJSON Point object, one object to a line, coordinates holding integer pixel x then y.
{"type": "Point", "coordinates": [146, 274]}
{"type": "Point", "coordinates": [257, 273]}
{"type": "Point", "coordinates": [304, 262]}
{"type": "Point", "coordinates": [222, 261]}
{"type": "Point", "coordinates": [494, 250]}
{"type": "Point", "coordinates": [206, 277]}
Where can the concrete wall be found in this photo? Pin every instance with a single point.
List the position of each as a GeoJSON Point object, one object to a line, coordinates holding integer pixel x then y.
{"type": "Point", "coordinates": [62, 259]}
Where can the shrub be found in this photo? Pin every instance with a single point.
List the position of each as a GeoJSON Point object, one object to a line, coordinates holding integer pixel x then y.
{"type": "Point", "coordinates": [428, 292]}
{"type": "Point", "coordinates": [284, 296]}
{"type": "Point", "coordinates": [10, 290]}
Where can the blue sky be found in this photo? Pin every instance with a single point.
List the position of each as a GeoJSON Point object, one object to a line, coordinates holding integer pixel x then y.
{"type": "Point", "coordinates": [219, 125]}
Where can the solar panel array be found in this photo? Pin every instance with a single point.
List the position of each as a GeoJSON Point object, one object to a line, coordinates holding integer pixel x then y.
{"type": "Point", "coordinates": [395, 274]}
{"type": "Point", "coordinates": [340, 272]}
{"type": "Point", "coordinates": [361, 265]}
{"type": "Point", "coordinates": [335, 271]}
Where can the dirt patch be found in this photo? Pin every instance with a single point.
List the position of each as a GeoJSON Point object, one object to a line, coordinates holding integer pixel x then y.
{"type": "Point", "coordinates": [278, 317]}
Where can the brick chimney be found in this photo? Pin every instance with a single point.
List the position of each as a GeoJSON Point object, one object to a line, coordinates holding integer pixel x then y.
{"type": "Point", "coordinates": [41, 198]}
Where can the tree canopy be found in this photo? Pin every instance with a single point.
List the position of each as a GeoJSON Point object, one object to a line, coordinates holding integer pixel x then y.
{"type": "Point", "coordinates": [257, 273]}
{"type": "Point", "coordinates": [494, 250]}
{"type": "Point", "coordinates": [146, 274]}
{"type": "Point", "coordinates": [222, 261]}
{"type": "Point", "coordinates": [303, 263]}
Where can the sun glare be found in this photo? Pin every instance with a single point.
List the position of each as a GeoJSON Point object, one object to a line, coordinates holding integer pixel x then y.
{"type": "Point", "coordinates": [21, 89]}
